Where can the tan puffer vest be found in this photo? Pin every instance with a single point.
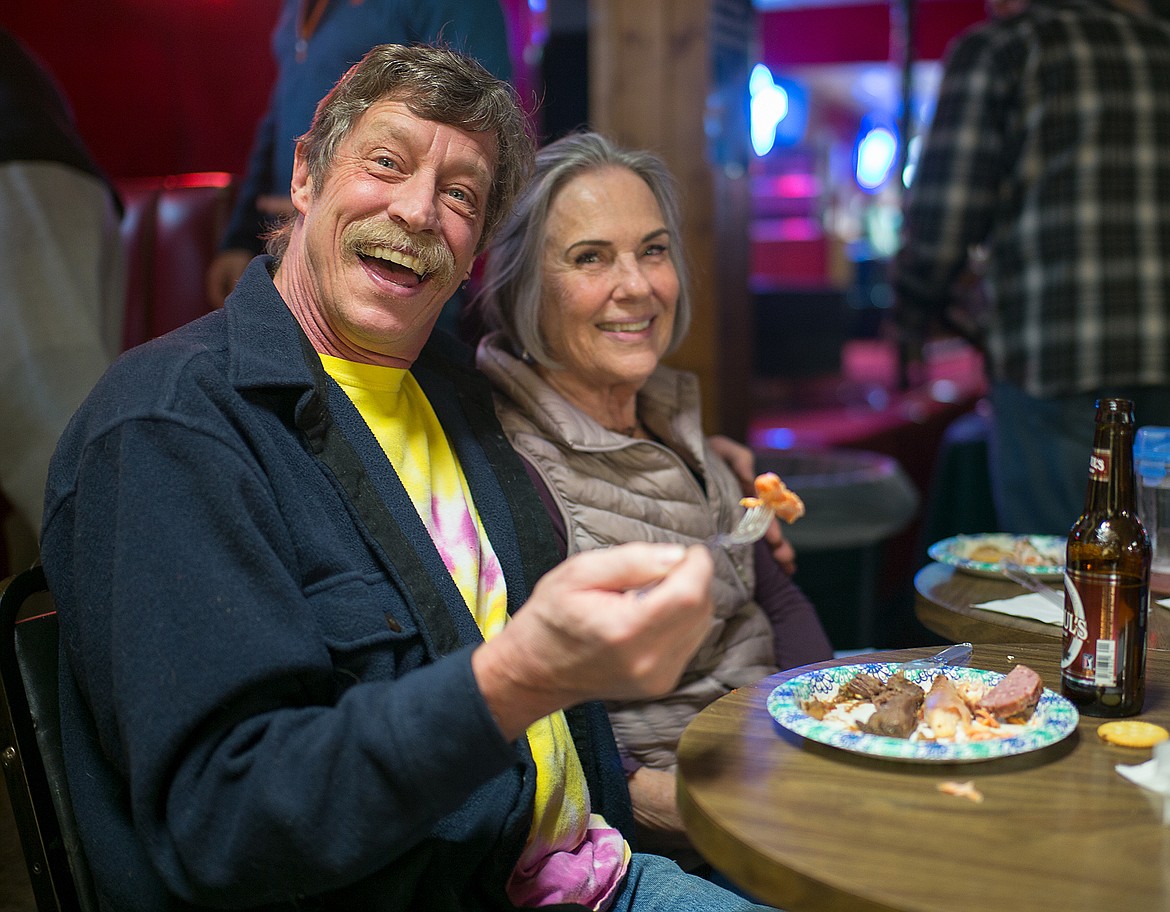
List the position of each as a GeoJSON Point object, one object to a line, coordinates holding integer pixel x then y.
{"type": "Point", "coordinates": [610, 489]}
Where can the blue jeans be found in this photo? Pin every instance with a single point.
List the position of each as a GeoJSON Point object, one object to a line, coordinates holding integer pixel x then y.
{"type": "Point", "coordinates": [1039, 453]}
{"type": "Point", "coordinates": [657, 884]}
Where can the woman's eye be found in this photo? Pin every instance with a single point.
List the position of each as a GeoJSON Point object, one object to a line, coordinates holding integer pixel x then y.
{"type": "Point", "coordinates": [385, 161]}
{"type": "Point", "coordinates": [583, 259]}
{"type": "Point", "coordinates": [657, 250]}
{"type": "Point", "coordinates": [457, 193]}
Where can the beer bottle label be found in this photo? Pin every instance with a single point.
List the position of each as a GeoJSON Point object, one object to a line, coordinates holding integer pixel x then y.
{"type": "Point", "coordinates": [1101, 615]}
{"type": "Point", "coordinates": [1099, 461]}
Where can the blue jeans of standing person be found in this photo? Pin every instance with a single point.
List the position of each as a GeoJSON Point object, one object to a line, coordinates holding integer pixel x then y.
{"type": "Point", "coordinates": [1039, 452]}
{"type": "Point", "coordinates": [657, 884]}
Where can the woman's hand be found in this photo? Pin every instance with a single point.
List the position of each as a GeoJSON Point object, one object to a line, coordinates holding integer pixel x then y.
{"type": "Point", "coordinates": [652, 793]}
{"type": "Point", "coordinates": [742, 462]}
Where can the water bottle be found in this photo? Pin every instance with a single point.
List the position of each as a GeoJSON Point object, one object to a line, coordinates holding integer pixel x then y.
{"type": "Point", "coordinates": [1151, 456]}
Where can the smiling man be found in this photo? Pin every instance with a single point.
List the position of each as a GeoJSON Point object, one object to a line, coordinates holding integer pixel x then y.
{"type": "Point", "coordinates": [388, 229]}
{"type": "Point", "coordinates": [290, 546]}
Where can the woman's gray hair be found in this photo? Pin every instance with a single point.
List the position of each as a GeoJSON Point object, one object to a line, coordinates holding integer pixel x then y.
{"type": "Point", "coordinates": [510, 293]}
{"type": "Point", "coordinates": [435, 84]}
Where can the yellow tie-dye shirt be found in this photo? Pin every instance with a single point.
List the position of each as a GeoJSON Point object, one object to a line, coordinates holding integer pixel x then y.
{"type": "Point", "coordinates": [572, 855]}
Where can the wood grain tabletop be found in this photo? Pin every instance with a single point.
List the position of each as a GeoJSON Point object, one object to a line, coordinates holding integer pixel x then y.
{"type": "Point", "coordinates": [945, 599]}
{"type": "Point", "coordinates": [812, 828]}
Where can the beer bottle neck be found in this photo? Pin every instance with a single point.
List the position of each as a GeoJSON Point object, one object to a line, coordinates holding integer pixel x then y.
{"type": "Point", "coordinates": [1111, 481]}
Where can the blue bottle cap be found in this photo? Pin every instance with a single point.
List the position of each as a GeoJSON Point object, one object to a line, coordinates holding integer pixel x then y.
{"type": "Point", "coordinates": [1151, 451]}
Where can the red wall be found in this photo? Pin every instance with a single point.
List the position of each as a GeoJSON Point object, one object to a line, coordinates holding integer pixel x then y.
{"type": "Point", "coordinates": [860, 33]}
{"type": "Point", "coordinates": [938, 21]}
{"type": "Point", "coordinates": [157, 86]}
{"type": "Point", "coordinates": [165, 86]}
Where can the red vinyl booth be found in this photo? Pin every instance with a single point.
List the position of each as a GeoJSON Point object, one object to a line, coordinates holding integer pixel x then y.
{"type": "Point", "coordinates": [171, 229]}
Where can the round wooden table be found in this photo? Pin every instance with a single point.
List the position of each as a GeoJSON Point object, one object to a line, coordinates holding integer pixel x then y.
{"type": "Point", "coordinates": [945, 599]}
{"type": "Point", "coordinates": [811, 828]}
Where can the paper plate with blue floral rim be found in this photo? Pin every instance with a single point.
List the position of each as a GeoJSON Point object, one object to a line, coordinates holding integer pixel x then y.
{"type": "Point", "coordinates": [1053, 720]}
{"type": "Point", "coordinates": [985, 554]}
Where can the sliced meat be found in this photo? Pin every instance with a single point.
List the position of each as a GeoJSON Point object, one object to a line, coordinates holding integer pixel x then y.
{"type": "Point", "coordinates": [1015, 697]}
{"type": "Point", "coordinates": [898, 681]}
{"type": "Point", "coordinates": [862, 687]}
{"type": "Point", "coordinates": [895, 713]}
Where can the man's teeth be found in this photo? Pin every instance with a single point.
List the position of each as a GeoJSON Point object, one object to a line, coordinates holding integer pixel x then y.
{"type": "Point", "coordinates": [624, 327]}
{"type": "Point", "coordinates": [414, 264]}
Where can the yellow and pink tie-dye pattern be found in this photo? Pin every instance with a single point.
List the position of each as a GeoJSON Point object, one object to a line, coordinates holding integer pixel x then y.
{"type": "Point", "coordinates": [572, 855]}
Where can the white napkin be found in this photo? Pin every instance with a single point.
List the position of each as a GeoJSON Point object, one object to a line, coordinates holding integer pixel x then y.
{"type": "Point", "coordinates": [1165, 603]}
{"type": "Point", "coordinates": [1153, 776]}
{"type": "Point", "coordinates": [1033, 606]}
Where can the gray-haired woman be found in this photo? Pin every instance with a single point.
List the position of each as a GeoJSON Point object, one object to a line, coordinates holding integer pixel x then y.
{"type": "Point", "coordinates": [585, 290]}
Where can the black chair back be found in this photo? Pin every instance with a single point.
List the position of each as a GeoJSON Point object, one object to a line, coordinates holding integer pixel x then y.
{"type": "Point", "coordinates": [30, 746]}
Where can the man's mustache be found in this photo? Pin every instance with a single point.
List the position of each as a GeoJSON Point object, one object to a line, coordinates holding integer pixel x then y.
{"type": "Point", "coordinates": [437, 260]}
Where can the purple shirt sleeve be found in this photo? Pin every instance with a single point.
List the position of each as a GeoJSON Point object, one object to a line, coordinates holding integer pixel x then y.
{"type": "Point", "coordinates": [554, 513]}
{"type": "Point", "coordinates": [797, 634]}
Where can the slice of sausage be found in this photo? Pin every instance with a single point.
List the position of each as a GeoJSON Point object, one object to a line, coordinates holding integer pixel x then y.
{"type": "Point", "coordinates": [1016, 696]}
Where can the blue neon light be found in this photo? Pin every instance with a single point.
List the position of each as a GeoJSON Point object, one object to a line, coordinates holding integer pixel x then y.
{"type": "Point", "coordinates": [874, 156]}
{"type": "Point", "coordinates": [779, 110]}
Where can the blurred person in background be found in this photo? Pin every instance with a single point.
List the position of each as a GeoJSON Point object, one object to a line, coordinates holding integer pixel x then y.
{"type": "Point", "coordinates": [1049, 155]}
{"type": "Point", "coordinates": [62, 283]}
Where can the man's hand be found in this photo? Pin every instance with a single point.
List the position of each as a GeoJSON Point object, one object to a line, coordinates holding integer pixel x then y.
{"type": "Point", "coordinates": [616, 623]}
{"type": "Point", "coordinates": [223, 273]}
{"type": "Point", "coordinates": [742, 462]}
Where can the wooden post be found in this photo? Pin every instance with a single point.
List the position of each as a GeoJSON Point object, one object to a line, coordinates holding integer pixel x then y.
{"type": "Point", "coordinates": [671, 76]}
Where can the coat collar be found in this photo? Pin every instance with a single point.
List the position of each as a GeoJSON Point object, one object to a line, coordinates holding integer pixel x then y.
{"type": "Point", "coordinates": [668, 404]}
{"type": "Point", "coordinates": [262, 334]}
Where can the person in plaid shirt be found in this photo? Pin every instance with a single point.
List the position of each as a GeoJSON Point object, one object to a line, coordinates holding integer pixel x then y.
{"type": "Point", "coordinates": [1049, 161]}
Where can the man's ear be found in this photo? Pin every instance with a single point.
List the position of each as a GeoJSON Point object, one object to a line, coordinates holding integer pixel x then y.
{"type": "Point", "coordinates": [302, 183]}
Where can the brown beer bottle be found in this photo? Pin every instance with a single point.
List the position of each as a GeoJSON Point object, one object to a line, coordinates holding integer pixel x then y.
{"type": "Point", "coordinates": [1107, 579]}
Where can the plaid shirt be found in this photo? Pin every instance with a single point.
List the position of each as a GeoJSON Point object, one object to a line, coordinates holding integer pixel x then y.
{"type": "Point", "coordinates": [1051, 148]}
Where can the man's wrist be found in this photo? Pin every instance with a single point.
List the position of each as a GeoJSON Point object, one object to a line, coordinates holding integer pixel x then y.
{"type": "Point", "coordinates": [513, 704]}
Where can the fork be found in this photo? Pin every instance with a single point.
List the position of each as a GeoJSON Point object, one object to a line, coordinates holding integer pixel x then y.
{"type": "Point", "coordinates": [750, 528]}
{"type": "Point", "coordinates": [957, 655]}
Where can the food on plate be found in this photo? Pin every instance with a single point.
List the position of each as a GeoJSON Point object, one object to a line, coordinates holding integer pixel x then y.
{"type": "Point", "coordinates": [1132, 733]}
{"type": "Point", "coordinates": [896, 703]}
{"type": "Point", "coordinates": [987, 554]}
{"type": "Point", "coordinates": [943, 709]}
{"type": "Point", "coordinates": [774, 494]}
{"type": "Point", "coordinates": [1015, 697]}
{"type": "Point", "coordinates": [1016, 549]}
{"type": "Point", "coordinates": [962, 790]}
{"type": "Point", "coordinates": [946, 711]}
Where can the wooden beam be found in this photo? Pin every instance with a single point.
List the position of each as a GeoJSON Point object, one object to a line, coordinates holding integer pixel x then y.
{"type": "Point", "coordinates": [671, 76]}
